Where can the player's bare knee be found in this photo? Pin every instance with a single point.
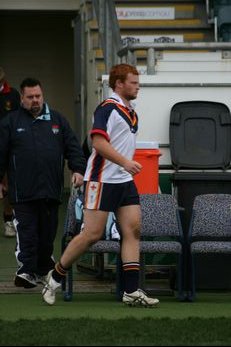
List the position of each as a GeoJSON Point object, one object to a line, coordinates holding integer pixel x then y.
{"type": "Point", "coordinates": [93, 236]}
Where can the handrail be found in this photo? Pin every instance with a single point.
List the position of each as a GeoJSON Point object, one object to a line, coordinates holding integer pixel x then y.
{"type": "Point", "coordinates": [109, 31]}
{"type": "Point", "coordinates": [127, 53]}
{"type": "Point", "coordinates": [207, 8]}
{"type": "Point", "coordinates": [210, 11]}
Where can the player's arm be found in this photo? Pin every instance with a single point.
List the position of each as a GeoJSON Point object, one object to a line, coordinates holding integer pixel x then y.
{"type": "Point", "coordinates": [105, 149]}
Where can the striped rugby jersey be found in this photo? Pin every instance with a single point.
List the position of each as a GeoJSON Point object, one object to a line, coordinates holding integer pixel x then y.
{"type": "Point", "coordinates": [119, 125]}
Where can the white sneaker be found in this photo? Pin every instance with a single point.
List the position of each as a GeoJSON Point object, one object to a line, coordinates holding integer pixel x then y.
{"type": "Point", "coordinates": [139, 298]}
{"type": "Point", "coordinates": [9, 229]}
{"type": "Point", "coordinates": [48, 291]}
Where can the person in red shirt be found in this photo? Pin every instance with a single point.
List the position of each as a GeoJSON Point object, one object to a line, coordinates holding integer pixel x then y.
{"type": "Point", "coordinates": [9, 101]}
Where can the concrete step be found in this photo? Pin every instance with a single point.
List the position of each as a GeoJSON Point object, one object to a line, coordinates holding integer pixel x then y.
{"type": "Point", "coordinates": [79, 286]}
{"type": "Point", "coordinates": [172, 24]}
{"type": "Point", "coordinates": [89, 286]}
{"type": "Point", "coordinates": [157, 2]}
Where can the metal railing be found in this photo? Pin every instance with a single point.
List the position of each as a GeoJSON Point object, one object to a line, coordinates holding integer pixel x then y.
{"type": "Point", "coordinates": [209, 9]}
{"type": "Point", "coordinates": [128, 53]}
{"type": "Point", "coordinates": [109, 31]}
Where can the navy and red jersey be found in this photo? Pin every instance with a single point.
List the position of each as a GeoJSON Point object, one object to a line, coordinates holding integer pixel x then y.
{"type": "Point", "coordinates": [119, 125]}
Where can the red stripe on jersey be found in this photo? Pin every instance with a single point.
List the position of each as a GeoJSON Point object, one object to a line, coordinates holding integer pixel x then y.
{"type": "Point", "coordinates": [124, 109]}
{"type": "Point", "coordinates": [133, 119]}
{"type": "Point", "coordinates": [100, 132]}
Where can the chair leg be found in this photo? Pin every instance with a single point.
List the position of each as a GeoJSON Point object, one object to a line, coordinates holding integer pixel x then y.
{"type": "Point", "coordinates": [192, 283]}
{"type": "Point", "coordinates": [180, 279]}
{"type": "Point", "coordinates": [100, 265]}
{"type": "Point", "coordinates": [67, 286]}
{"type": "Point", "coordinates": [67, 282]}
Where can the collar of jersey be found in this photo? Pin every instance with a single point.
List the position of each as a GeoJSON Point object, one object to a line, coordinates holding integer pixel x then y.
{"type": "Point", "coordinates": [117, 100]}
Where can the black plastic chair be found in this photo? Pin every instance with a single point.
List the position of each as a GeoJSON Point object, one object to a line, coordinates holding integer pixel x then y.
{"type": "Point", "coordinates": [199, 135]}
{"type": "Point", "coordinates": [210, 230]}
{"type": "Point", "coordinates": [161, 224]}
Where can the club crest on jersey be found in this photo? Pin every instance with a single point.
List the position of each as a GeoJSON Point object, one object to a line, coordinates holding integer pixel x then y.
{"type": "Point", "coordinates": [55, 129]}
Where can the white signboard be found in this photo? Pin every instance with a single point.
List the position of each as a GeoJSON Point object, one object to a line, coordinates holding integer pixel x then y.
{"type": "Point", "coordinates": [145, 13]}
{"type": "Point", "coordinates": [152, 39]}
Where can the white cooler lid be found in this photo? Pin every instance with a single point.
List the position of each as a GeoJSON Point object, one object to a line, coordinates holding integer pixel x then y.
{"type": "Point", "coordinates": [147, 145]}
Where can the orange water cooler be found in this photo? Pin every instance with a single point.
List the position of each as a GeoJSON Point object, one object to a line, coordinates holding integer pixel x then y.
{"type": "Point", "coordinates": [147, 154]}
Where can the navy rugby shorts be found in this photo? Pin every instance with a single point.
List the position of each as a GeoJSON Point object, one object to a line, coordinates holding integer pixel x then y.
{"type": "Point", "coordinates": [110, 196]}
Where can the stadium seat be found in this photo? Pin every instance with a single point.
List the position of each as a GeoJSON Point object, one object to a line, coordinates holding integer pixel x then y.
{"type": "Point", "coordinates": [161, 231]}
{"type": "Point", "coordinates": [209, 232]}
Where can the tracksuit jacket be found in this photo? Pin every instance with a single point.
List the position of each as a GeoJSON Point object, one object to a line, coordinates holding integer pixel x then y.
{"type": "Point", "coordinates": [33, 152]}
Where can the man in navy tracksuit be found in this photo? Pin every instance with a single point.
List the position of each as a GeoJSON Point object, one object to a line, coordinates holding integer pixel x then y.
{"type": "Point", "coordinates": [34, 143]}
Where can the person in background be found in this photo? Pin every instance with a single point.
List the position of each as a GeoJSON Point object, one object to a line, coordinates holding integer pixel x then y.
{"type": "Point", "coordinates": [35, 141]}
{"type": "Point", "coordinates": [109, 187]}
{"type": "Point", "coordinates": [9, 101]}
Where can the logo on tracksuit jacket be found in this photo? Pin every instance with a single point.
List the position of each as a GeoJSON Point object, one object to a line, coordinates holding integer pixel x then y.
{"type": "Point", "coordinates": [55, 129]}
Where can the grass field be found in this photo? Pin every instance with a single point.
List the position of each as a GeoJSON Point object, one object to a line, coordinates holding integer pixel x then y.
{"type": "Point", "coordinates": [104, 305]}
{"type": "Point", "coordinates": [98, 319]}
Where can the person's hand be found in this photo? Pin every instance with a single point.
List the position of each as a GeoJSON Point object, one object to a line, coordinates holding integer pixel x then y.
{"type": "Point", "coordinates": [133, 167]}
{"type": "Point", "coordinates": [3, 190]}
{"type": "Point", "coordinates": [77, 179]}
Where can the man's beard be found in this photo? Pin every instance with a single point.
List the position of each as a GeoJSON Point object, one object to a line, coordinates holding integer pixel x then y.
{"type": "Point", "coordinates": [130, 97]}
{"type": "Point", "coordinates": [35, 110]}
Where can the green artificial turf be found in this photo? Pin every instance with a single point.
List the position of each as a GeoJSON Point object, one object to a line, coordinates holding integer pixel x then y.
{"type": "Point", "coordinates": [122, 332]}
{"type": "Point", "coordinates": [104, 305]}
{"type": "Point", "coordinates": [97, 319]}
